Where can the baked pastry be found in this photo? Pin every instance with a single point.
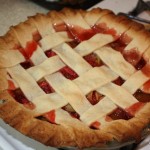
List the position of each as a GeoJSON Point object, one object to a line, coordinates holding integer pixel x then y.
{"type": "Point", "coordinates": [76, 78]}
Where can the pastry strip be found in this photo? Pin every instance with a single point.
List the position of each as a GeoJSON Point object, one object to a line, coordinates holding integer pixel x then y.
{"type": "Point", "coordinates": [53, 39]}
{"type": "Point", "coordinates": [97, 41]}
{"type": "Point", "coordinates": [95, 78]}
{"type": "Point", "coordinates": [49, 102]}
{"type": "Point", "coordinates": [104, 107]}
{"type": "Point", "coordinates": [116, 62]}
{"type": "Point", "coordinates": [49, 66]}
{"type": "Point", "coordinates": [115, 93]}
{"type": "Point", "coordinates": [78, 64]}
{"type": "Point", "coordinates": [25, 82]}
{"type": "Point", "coordinates": [69, 91]}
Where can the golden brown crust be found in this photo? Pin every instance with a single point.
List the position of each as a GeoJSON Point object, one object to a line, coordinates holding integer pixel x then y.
{"type": "Point", "coordinates": [54, 15]}
{"type": "Point", "coordinates": [24, 32]}
{"type": "Point", "coordinates": [3, 44]}
{"type": "Point", "coordinates": [21, 118]}
{"type": "Point", "coordinates": [53, 135]}
{"type": "Point", "coordinates": [11, 40]}
{"type": "Point", "coordinates": [91, 17]}
{"type": "Point", "coordinates": [43, 24]}
{"type": "Point", "coordinates": [3, 80]}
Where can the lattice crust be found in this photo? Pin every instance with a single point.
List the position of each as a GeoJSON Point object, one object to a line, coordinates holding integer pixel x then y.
{"type": "Point", "coordinates": [56, 61]}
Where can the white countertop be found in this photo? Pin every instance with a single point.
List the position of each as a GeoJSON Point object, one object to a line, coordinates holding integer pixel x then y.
{"type": "Point", "coordinates": [14, 11]}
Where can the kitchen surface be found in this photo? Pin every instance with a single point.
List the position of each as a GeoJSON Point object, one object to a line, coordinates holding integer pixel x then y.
{"type": "Point", "coordinates": [11, 13]}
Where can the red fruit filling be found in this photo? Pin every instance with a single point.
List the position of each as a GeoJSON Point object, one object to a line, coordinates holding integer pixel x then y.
{"type": "Point", "coordinates": [141, 96]}
{"type": "Point", "coordinates": [27, 52]}
{"type": "Point", "coordinates": [118, 81]}
{"type": "Point", "coordinates": [73, 44]}
{"type": "Point", "coordinates": [146, 87]}
{"type": "Point", "coordinates": [50, 116]}
{"type": "Point", "coordinates": [71, 111]}
{"type": "Point", "coordinates": [68, 73]}
{"type": "Point", "coordinates": [95, 125]}
{"type": "Point", "coordinates": [26, 64]}
{"type": "Point", "coordinates": [81, 34]}
{"type": "Point", "coordinates": [103, 28]}
{"type": "Point", "coordinates": [46, 87]}
{"type": "Point", "coordinates": [50, 53]}
{"type": "Point", "coordinates": [63, 27]}
{"type": "Point", "coordinates": [11, 85]}
{"type": "Point", "coordinates": [134, 108]}
{"type": "Point", "coordinates": [118, 46]}
{"type": "Point", "coordinates": [121, 43]}
{"type": "Point", "coordinates": [140, 64]}
{"type": "Point", "coordinates": [74, 115]}
{"type": "Point", "coordinates": [19, 97]}
{"type": "Point", "coordinates": [60, 27]}
{"type": "Point", "coordinates": [93, 60]}
{"type": "Point", "coordinates": [146, 70]}
{"type": "Point", "coordinates": [120, 114]}
{"type": "Point", "coordinates": [125, 39]}
{"type": "Point", "coordinates": [132, 56]}
{"type": "Point", "coordinates": [94, 97]}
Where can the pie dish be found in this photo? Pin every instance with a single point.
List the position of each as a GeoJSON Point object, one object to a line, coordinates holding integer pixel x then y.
{"type": "Point", "coordinates": [76, 78]}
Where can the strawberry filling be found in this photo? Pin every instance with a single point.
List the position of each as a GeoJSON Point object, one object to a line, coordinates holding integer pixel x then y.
{"type": "Point", "coordinates": [11, 85]}
{"type": "Point", "coordinates": [68, 73]}
{"type": "Point", "coordinates": [50, 116]}
{"type": "Point", "coordinates": [94, 97]}
{"type": "Point", "coordinates": [95, 125]}
{"type": "Point", "coordinates": [119, 114]}
{"type": "Point", "coordinates": [146, 87]}
{"type": "Point", "coordinates": [60, 27]}
{"type": "Point", "coordinates": [26, 64]}
{"type": "Point", "coordinates": [71, 111]}
{"type": "Point", "coordinates": [140, 64]}
{"type": "Point", "coordinates": [117, 46]}
{"type": "Point", "coordinates": [81, 34]}
{"type": "Point", "coordinates": [28, 51]}
{"type": "Point", "coordinates": [132, 56]}
{"type": "Point", "coordinates": [93, 60]}
{"type": "Point", "coordinates": [118, 81]}
{"type": "Point", "coordinates": [74, 115]}
{"type": "Point", "coordinates": [63, 27]}
{"type": "Point", "coordinates": [75, 32]}
{"type": "Point", "coordinates": [132, 110]}
{"type": "Point", "coordinates": [103, 28]}
{"type": "Point", "coordinates": [73, 44]}
{"type": "Point", "coordinates": [50, 53]}
{"type": "Point", "coordinates": [46, 87]}
{"type": "Point", "coordinates": [19, 97]}
{"type": "Point", "coordinates": [125, 39]}
{"type": "Point", "coordinates": [121, 42]}
{"type": "Point", "coordinates": [141, 96]}
{"type": "Point", "coordinates": [146, 70]}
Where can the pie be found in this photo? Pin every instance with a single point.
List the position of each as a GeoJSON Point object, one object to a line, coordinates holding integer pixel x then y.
{"type": "Point", "coordinates": [76, 78]}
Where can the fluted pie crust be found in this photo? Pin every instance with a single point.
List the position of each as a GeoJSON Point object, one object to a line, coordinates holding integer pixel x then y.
{"type": "Point", "coordinates": [43, 31]}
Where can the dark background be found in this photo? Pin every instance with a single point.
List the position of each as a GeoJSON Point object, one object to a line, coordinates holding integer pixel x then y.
{"type": "Point", "coordinates": [57, 5]}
